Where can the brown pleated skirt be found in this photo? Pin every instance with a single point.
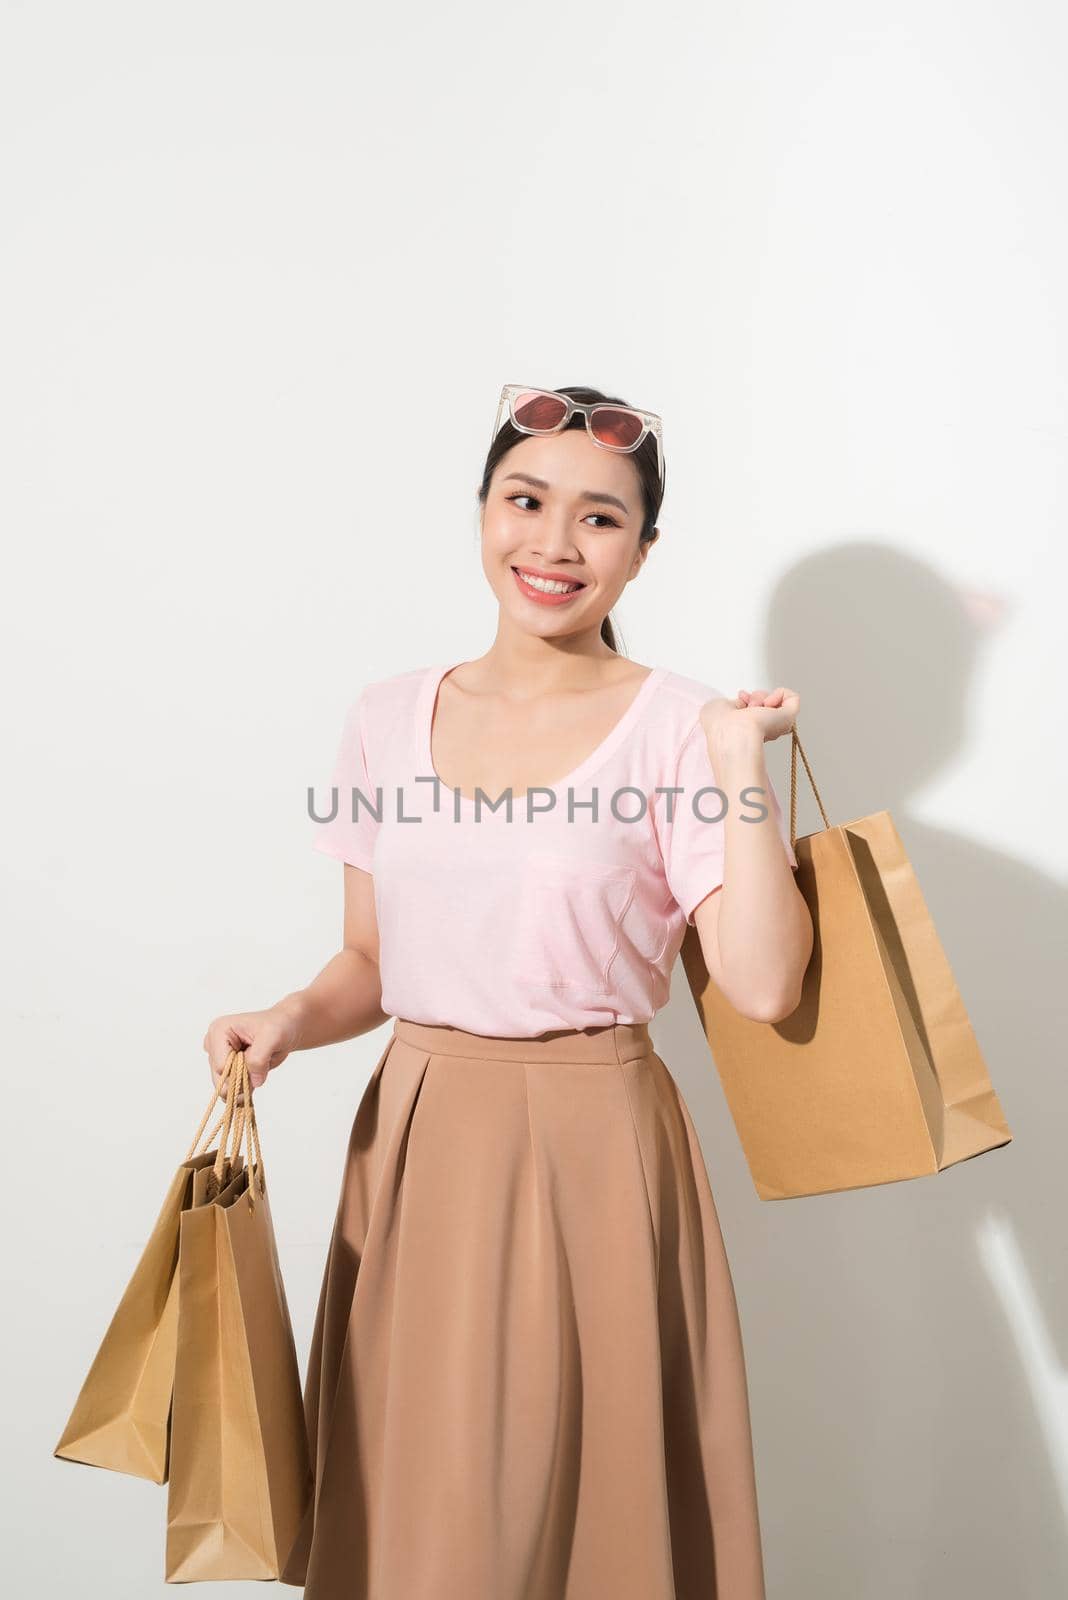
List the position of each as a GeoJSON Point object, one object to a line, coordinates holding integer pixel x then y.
{"type": "Point", "coordinates": [526, 1378]}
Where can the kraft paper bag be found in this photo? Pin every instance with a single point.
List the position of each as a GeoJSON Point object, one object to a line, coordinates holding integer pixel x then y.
{"type": "Point", "coordinates": [240, 1477]}
{"type": "Point", "coordinates": [121, 1418]}
{"type": "Point", "coordinates": [877, 1076]}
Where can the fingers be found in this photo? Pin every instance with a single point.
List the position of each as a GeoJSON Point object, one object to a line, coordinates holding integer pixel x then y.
{"type": "Point", "coordinates": [244, 1032]}
{"type": "Point", "coordinates": [222, 1037]}
{"type": "Point", "coordinates": [786, 701]}
{"type": "Point", "coordinates": [228, 1081]}
{"type": "Point", "coordinates": [766, 697]}
{"type": "Point", "coordinates": [223, 1079]}
{"type": "Point", "coordinates": [222, 1041]}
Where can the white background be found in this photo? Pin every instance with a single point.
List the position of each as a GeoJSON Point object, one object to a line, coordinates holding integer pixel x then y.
{"type": "Point", "coordinates": [265, 269]}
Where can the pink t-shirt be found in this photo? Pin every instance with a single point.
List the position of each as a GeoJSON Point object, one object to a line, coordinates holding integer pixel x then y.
{"type": "Point", "coordinates": [511, 925]}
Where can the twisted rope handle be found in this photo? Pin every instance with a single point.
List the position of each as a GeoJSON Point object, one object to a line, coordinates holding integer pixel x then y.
{"type": "Point", "coordinates": [234, 1080]}
{"type": "Point", "coordinates": [235, 1086]}
{"type": "Point", "coordinates": [220, 1089]}
{"type": "Point", "coordinates": [228, 1074]}
{"type": "Point", "coordinates": [795, 746]}
{"type": "Point", "coordinates": [254, 1168]}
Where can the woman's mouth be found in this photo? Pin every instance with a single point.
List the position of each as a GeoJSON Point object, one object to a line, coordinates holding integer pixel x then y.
{"type": "Point", "coordinates": [546, 591]}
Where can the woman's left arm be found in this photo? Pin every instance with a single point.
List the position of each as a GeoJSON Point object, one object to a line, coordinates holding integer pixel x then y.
{"type": "Point", "coordinates": [755, 930]}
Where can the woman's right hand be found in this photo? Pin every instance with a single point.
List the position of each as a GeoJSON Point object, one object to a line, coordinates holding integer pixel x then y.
{"type": "Point", "coordinates": [266, 1037]}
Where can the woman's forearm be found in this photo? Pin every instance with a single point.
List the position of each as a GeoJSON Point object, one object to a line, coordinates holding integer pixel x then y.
{"type": "Point", "coordinates": [341, 1002]}
{"type": "Point", "coordinates": [764, 928]}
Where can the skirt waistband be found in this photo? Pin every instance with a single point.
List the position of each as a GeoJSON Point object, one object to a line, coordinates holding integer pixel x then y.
{"type": "Point", "coordinates": [618, 1042]}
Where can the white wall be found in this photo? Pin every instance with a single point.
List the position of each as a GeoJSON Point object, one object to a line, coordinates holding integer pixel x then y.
{"type": "Point", "coordinates": [242, 245]}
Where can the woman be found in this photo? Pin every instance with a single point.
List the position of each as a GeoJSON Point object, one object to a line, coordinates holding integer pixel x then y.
{"type": "Point", "coordinates": [526, 1378]}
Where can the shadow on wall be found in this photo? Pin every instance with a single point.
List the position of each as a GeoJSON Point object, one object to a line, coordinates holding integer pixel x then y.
{"type": "Point", "coordinates": [907, 1344]}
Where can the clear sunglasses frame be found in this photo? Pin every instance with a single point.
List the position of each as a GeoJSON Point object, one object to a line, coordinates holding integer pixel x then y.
{"type": "Point", "coordinates": [650, 422]}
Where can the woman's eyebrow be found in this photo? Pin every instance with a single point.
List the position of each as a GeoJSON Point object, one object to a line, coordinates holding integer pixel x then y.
{"type": "Point", "coordinates": [586, 494]}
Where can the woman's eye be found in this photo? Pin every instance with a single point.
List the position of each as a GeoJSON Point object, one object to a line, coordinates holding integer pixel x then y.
{"type": "Point", "coordinates": [603, 515]}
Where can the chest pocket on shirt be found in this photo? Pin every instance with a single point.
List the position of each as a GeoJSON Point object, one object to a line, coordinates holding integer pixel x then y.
{"type": "Point", "coordinates": [568, 924]}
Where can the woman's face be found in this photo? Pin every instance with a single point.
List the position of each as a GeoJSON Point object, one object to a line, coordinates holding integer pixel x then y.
{"type": "Point", "coordinates": [562, 507]}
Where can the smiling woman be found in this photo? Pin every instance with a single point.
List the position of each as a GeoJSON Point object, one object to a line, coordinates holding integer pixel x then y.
{"type": "Point", "coordinates": [629, 466]}
{"type": "Point", "coordinates": [553, 588]}
{"type": "Point", "coordinates": [526, 1373]}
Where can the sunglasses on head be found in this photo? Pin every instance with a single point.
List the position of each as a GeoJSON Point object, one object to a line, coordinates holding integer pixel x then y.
{"type": "Point", "coordinates": [613, 427]}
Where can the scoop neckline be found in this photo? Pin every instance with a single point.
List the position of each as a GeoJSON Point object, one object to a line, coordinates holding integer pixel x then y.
{"type": "Point", "coordinates": [595, 759]}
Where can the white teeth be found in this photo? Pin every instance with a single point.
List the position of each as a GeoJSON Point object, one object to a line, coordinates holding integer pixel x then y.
{"type": "Point", "coordinates": [547, 585]}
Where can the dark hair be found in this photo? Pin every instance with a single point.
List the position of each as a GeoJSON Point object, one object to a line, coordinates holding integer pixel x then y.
{"type": "Point", "coordinates": [644, 459]}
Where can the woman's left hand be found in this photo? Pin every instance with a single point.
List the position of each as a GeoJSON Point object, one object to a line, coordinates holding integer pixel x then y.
{"type": "Point", "coordinates": [772, 712]}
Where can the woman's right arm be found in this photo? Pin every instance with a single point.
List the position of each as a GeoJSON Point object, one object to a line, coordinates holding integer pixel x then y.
{"type": "Point", "coordinates": [341, 1002]}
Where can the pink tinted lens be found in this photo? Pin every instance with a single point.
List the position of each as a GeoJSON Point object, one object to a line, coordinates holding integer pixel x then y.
{"type": "Point", "coordinates": [619, 430]}
{"type": "Point", "coordinates": [539, 410]}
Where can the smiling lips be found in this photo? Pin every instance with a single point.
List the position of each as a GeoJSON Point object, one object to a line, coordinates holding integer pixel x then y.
{"type": "Point", "coordinates": [546, 588]}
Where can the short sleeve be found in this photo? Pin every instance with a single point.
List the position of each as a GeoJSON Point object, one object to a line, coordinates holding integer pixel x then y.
{"type": "Point", "coordinates": [352, 807]}
{"type": "Point", "coordinates": [694, 849]}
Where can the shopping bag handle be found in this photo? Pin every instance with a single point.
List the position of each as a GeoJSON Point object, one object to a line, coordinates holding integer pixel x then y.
{"type": "Point", "coordinates": [795, 746]}
{"type": "Point", "coordinates": [248, 1126]}
{"type": "Point", "coordinates": [234, 1074]}
{"type": "Point", "coordinates": [218, 1093]}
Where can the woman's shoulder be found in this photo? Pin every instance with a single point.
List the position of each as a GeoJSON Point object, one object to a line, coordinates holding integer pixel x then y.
{"type": "Point", "coordinates": [390, 695]}
{"type": "Point", "coordinates": [382, 710]}
{"type": "Point", "coordinates": [668, 731]}
{"type": "Point", "coordinates": [681, 698]}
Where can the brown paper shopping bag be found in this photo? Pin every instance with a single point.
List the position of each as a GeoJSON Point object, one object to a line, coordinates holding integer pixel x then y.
{"type": "Point", "coordinates": [877, 1076]}
{"type": "Point", "coordinates": [121, 1417]}
{"type": "Point", "coordinates": [240, 1477]}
